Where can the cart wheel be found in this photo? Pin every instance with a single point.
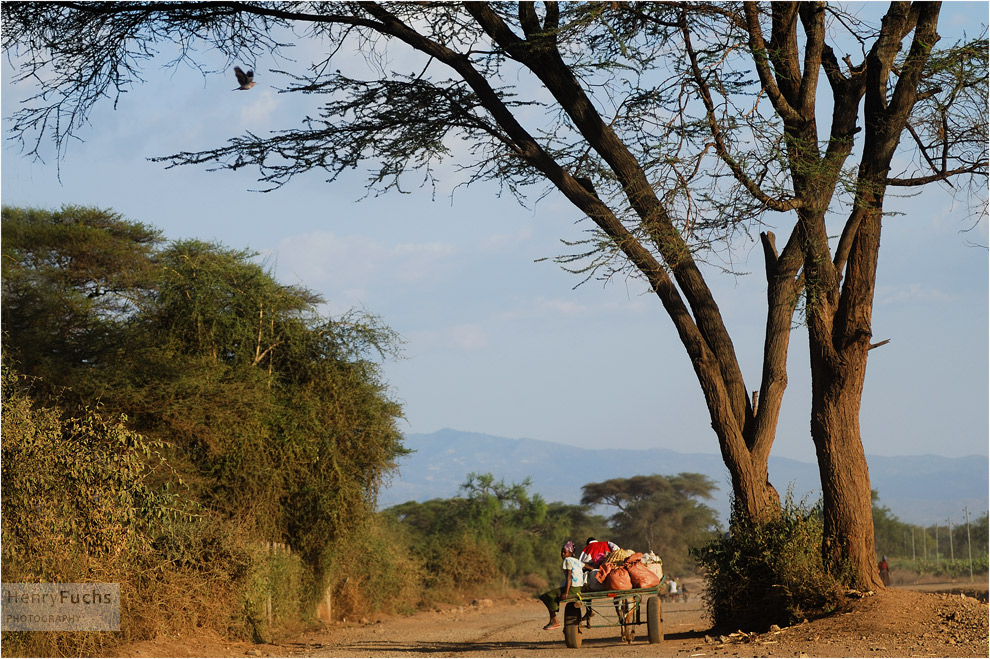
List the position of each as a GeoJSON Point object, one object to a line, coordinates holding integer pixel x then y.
{"type": "Point", "coordinates": [572, 625]}
{"type": "Point", "coordinates": [654, 619]}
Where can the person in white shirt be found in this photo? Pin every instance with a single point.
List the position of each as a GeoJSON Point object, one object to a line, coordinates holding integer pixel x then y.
{"type": "Point", "coordinates": [573, 581]}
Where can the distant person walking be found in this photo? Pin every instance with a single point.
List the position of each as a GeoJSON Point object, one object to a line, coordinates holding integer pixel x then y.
{"type": "Point", "coordinates": [884, 571]}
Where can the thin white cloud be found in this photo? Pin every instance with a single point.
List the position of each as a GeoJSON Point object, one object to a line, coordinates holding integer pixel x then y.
{"type": "Point", "coordinates": [562, 307]}
{"type": "Point", "coordinates": [420, 262]}
{"type": "Point", "coordinates": [258, 113]}
{"type": "Point", "coordinates": [915, 292]}
{"type": "Point", "coordinates": [496, 242]}
{"type": "Point", "coordinates": [464, 337]}
{"type": "Point", "coordinates": [469, 337]}
{"type": "Point", "coordinates": [358, 264]}
{"type": "Point", "coordinates": [547, 308]}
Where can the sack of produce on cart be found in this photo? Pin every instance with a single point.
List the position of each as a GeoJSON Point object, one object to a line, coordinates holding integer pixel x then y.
{"type": "Point", "coordinates": [653, 564]}
{"type": "Point", "coordinates": [611, 561]}
{"type": "Point", "coordinates": [618, 579]}
{"type": "Point", "coordinates": [641, 576]}
{"type": "Point", "coordinates": [625, 569]}
{"type": "Point", "coordinates": [594, 585]}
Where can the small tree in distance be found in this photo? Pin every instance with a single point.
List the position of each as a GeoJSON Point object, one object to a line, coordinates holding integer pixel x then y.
{"type": "Point", "coordinates": [672, 126]}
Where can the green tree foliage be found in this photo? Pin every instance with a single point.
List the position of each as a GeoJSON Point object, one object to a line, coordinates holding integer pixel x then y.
{"type": "Point", "coordinates": [664, 514]}
{"type": "Point", "coordinates": [275, 417]}
{"type": "Point", "coordinates": [493, 531]}
{"type": "Point", "coordinates": [69, 277]}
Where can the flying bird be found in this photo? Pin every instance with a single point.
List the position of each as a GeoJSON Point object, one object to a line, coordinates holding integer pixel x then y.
{"type": "Point", "coordinates": [245, 80]}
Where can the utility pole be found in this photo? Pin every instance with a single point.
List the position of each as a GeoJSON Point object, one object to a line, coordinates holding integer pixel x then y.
{"type": "Point", "coordinates": [936, 542]}
{"type": "Point", "coordinates": [969, 543]}
{"type": "Point", "coordinates": [924, 541]}
{"type": "Point", "coordinates": [952, 554]}
{"type": "Point", "coordinates": [913, 556]}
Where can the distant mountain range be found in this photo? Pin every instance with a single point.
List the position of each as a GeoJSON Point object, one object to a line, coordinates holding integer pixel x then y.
{"type": "Point", "coordinates": [922, 489]}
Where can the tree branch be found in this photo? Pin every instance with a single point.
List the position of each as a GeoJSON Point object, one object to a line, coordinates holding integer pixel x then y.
{"type": "Point", "coordinates": [760, 58]}
{"type": "Point", "coordinates": [780, 205]}
{"type": "Point", "coordinates": [979, 168]}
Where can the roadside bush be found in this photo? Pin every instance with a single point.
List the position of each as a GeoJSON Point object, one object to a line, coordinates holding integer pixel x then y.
{"type": "Point", "coordinates": [85, 500]}
{"type": "Point", "coordinates": [373, 569]}
{"type": "Point", "coordinates": [77, 507]}
{"type": "Point", "coordinates": [277, 591]}
{"type": "Point", "coordinates": [770, 573]}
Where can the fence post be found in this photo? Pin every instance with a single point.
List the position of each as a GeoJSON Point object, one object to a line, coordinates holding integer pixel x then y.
{"type": "Point", "coordinates": [324, 610]}
{"type": "Point", "coordinates": [268, 585]}
{"type": "Point", "coordinates": [969, 543]}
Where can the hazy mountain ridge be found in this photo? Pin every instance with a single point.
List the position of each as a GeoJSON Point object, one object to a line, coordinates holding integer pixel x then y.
{"type": "Point", "coordinates": [917, 489]}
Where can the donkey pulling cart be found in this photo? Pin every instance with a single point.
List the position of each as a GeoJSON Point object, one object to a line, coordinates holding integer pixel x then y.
{"type": "Point", "coordinates": [625, 606]}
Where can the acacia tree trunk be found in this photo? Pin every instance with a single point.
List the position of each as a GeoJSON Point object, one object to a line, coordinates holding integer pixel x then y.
{"type": "Point", "coordinates": [840, 324]}
{"type": "Point", "coordinates": [838, 371]}
{"type": "Point", "coordinates": [847, 507]}
{"type": "Point", "coordinates": [840, 342]}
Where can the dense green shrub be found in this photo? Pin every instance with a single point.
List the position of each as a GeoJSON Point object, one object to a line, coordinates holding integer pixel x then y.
{"type": "Point", "coordinates": [83, 502]}
{"type": "Point", "coordinates": [233, 417]}
{"type": "Point", "coordinates": [769, 573]}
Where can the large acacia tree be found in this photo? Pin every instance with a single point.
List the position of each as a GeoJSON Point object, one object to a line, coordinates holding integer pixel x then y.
{"type": "Point", "coordinates": [672, 126]}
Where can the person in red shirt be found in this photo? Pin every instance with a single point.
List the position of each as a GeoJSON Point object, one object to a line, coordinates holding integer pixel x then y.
{"type": "Point", "coordinates": [595, 551]}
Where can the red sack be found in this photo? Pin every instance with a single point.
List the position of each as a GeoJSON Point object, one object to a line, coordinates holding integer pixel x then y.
{"type": "Point", "coordinates": [635, 558]}
{"type": "Point", "coordinates": [618, 579]}
{"type": "Point", "coordinates": [641, 576]}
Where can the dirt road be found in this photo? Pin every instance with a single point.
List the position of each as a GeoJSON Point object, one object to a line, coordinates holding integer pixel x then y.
{"type": "Point", "coordinates": [893, 623]}
{"type": "Point", "coordinates": [510, 628]}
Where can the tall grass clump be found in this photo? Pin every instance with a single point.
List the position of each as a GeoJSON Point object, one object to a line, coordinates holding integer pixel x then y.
{"type": "Point", "coordinates": [769, 573]}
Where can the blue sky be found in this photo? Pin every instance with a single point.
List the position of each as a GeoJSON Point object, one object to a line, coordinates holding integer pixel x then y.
{"type": "Point", "coordinates": [498, 342]}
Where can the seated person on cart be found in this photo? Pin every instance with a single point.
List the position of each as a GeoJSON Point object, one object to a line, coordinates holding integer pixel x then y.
{"type": "Point", "coordinates": [593, 555]}
{"type": "Point", "coordinates": [596, 551]}
{"type": "Point", "coordinates": [573, 580]}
